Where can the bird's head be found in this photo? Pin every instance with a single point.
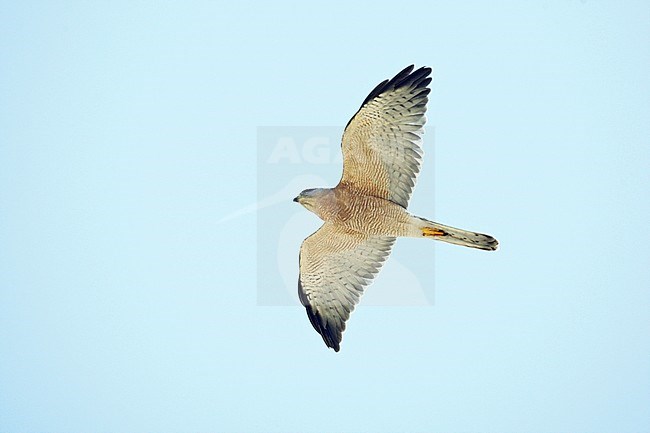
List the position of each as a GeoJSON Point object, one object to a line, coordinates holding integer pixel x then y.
{"type": "Point", "coordinates": [308, 197]}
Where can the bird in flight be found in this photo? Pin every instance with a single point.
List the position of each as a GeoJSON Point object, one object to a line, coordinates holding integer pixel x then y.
{"type": "Point", "coordinates": [364, 214]}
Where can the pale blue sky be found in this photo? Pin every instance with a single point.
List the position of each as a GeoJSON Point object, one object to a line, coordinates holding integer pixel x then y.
{"type": "Point", "coordinates": [129, 129]}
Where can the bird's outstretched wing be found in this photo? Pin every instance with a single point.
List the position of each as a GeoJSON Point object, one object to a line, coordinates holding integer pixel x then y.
{"type": "Point", "coordinates": [381, 143]}
{"type": "Point", "coordinates": [335, 266]}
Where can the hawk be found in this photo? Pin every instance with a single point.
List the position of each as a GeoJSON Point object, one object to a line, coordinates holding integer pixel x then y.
{"type": "Point", "coordinates": [366, 211]}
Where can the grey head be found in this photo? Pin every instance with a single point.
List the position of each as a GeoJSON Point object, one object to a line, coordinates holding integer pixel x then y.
{"type": "Point", "coordinates": [309, 196]}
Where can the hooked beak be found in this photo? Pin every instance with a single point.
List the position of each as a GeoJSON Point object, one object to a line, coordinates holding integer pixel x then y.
{"type": "Point", "coordinates": [296, 200]}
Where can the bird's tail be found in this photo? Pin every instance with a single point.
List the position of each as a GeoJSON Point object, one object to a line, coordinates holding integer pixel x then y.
{"type": "Point", "coordinates": [456, 236]}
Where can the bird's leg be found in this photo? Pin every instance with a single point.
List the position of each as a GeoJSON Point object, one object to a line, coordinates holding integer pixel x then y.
{"type": "Point", "coordinates": [431, 232]}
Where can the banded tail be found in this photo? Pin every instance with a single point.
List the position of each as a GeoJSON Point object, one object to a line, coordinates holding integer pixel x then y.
{"type": "Point", "coordinates": [456, 236]}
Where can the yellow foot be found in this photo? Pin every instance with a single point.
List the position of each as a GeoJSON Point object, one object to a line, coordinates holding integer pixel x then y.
{"type": "Point", "coordinates": [430, 232]}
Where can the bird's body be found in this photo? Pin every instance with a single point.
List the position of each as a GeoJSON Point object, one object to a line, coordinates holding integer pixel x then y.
{"type": "Point", "coordinates": [363, 213]}
{"type": "Point", "coordinates": [366, 211]}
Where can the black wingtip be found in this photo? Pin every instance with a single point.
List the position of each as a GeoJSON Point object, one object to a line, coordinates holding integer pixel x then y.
{"type": "Point", "coordinates": [407, 77]}
{"type": "Point", "coordinates": [332, 337]}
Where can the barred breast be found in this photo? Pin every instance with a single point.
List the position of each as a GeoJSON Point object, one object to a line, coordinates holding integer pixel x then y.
{"type": "Point", "coordinates": [366, 214]}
